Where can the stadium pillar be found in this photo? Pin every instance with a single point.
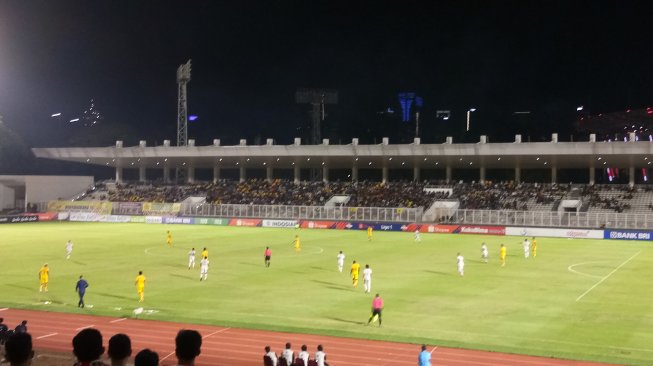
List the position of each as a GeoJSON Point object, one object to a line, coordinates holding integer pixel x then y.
{"type": "Point", "coordinates": [448, 174]}
{"type": "Point", "coordinates": [166, 174]}
{"type": "Point", "coordinates": [631, 176]}
{"type": "Point", "coordinates": [517, 175]}
{"type": "Point", "coordinates": [296, 174]}
{"type": "Point", "coordinates": [190, 174]}
{"type": "Point", "coordinates": [416, 172]}
{"type": "Point", "coordinates": [592, 175]}
{"type": "Point", "coordinates": [354, 173]}
{"type": "Point", "coordinates": [118, 174]}
{"type": "Point", "coordinates": [268, 173]}
{"type": "Point", "coordinates": [141, 173]}
{"type": "Point", "coordinates": [242, 173]}
{"type": "Point", "coordinates": [554, 174]}
{"type": "Point", "coordinates": [325, 174]}
{"type": "Point", "coordinates": [384, 174]}
{"type": "Point", "coordinates": [481, 175]}
{"type": "Point", "coordinates": [216, 174]}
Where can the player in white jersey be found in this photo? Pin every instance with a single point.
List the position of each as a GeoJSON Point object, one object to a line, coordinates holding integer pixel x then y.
{"type": "Point", "coordinates": [204, 268]}
{"type": "Point", "coordinates": [191, 258]}
{"type": "Point", "coordinates": [341, 261]}
{"type": "Point", "coordinates": [484, 254]}
{"type": "Point", "coordinates": [418, 238]}
{"type": "Point", "coordinates": [460, 260]}
{"type": "Point", "coordinates": [527, 248]}
{"type": "Point", "coordinates": [367, 279]}
{"type": "Point", "coordinates": [69, 249]}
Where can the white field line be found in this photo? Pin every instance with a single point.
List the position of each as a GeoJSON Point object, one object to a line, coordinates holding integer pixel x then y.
{"type": "Point", "coordinates": [169, 354]}
{"type": "Point", "coordinates": [434, 348]}
{"type": "Point", "coordinates": [84, 327]}
{"type": "Point", "coordinates": [47, 335]}
{"type": "Point", "coordinates": [117, 320]}
{"type": "Point", "coordinates": [607, 276]}
{"type": "Point", "coordinates": [571, 269]}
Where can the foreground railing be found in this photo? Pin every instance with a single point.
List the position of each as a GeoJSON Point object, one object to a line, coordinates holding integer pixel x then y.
{"type": "Point", "coordinates": [552, 219]}
{"type": "Point", "coordinates": [305, 212]}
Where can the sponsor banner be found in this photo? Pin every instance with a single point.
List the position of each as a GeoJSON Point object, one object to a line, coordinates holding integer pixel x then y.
{"type": "Point", "coordinates": [210, 221]}
{"type": "Point", "coordinates": [156, 208]}
{"type": "Point", "coordinates": [139, 219]}
{"type": "Point", "coordinates": [103, 207]}
{"type": "Point", "coordinates": [44, 216]}
{"type": "Point", "coordinates": [280, 223]}
{"type": "Point", "coordinates": [411, 227]}
{"type": "Point", "coordinates": [628, 235]}
{"type": "Point", "coordinates": [344, 225]}
{"type": "Point", "coordinates": [178, 220]}
{"type": "Point", "coordinates": [153, 219]}
{"type": "Point", "coordinates": [556, 233]}
{"type": "Point", "coordinates": [245, 222]}
{"type": "Point", "coordinates": [114, 218]}
{"type": "Point", "coordinates": [318, 224]}
{"type": "Point", "coordinates": [484, 230]}
{"type": "Point", "coordinates": [84, 216]}
{"type": "Point", "coordinates": [128, 208]}
{"type": "Point", "coordinates": [14, 219]}
{"type": "Point", "coordinates": [437, 228]}
{"type": "Point", "coordinates": [63, 216]}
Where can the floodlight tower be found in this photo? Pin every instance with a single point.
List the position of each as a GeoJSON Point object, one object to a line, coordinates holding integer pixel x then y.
{"type": "Point", "coordinates": [318, 99]}
{"type": "Point", "coordinates": [183, 77]}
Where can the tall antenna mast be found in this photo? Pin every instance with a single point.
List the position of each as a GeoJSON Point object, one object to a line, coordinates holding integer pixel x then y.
{"type": "Point", "coordinates": [183, 77]}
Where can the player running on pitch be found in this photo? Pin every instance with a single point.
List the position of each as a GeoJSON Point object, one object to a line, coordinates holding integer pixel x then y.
{"type": "Point", "coordinates": [341, 261]}
{"type": "Point", "coordinates": [367, 279]}
{"type": "Point", "coordinates": [460, 261]}
{"type": "Point", "coordinates": [191, 258]}
{"type": "Point", "coordinates": [484, 253]}
{"type": "Point", "coordinates": [204, 269]}
{"type": "Point", "coordinates": [297, 244]}
{"type": "Point", "coordinates": [355, 269]}
{"type": "Point", "coordinates": [69, 249]}
{"type": "Point", "coordinates": [418, 236]}
{"type": "Point", "coordinates": [169, 238]}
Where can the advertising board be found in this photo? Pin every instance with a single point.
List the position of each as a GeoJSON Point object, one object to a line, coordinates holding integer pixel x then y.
{"type": "Point", "coordinates": [556, 233]}
{"type": "Point", "coordinates": [280, 223]}
{"type": "Point", "coordinates": [245, 222]}
{"type": "Point", "coordinates": [628, 235]}
{"type": "Point", "coordinates": [483, 230]}
{"type": "Point", "coordinates": [14, 219]}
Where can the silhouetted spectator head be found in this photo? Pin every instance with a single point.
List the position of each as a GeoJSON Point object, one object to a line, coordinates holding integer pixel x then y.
{"type": "Point", "coordinates": [22, 327]}
{"type": "Point", "coordinates": [423, 347]}
{"type": "Point", "coordinates": [146, 357]}
{"type": "Point", "coordinates": [320, 348]}
{"type": "Point", "coordinates": [267, 349]}
{"type": "Point", "coordinates": [18, 349]}
{"type": "Point", "coordinates": [304, 348]}
{"type": "Point", "coordinates": [188, 345]}
{"type": "Point", "coordinates": [120, 348]}
{"type": "Point", "coordinates": [288, 345]}
{"type": "Point", "coordinates": [87, 345]}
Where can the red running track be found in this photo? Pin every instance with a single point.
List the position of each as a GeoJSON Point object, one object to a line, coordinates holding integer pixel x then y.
{"type": "Point", "coordinates": [244, 347]}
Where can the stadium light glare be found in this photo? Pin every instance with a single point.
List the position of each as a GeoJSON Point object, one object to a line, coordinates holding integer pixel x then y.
{"type": "Point", "coordinates": [74, 120]}
{"type": "Point", "coordinates": [56, 114]}
{"type": "Point", "coordinates": [579, 108]}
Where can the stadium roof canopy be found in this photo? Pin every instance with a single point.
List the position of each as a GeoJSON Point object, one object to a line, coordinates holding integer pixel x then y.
{"type": "Point", "coordinates": [531, 155]}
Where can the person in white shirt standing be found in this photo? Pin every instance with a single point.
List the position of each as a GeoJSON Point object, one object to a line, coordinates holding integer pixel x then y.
{"type": "Point", "coordinates": [484, 253]}
{"type": "Point", "coordinates": [204, 268]}
{"type": "Point", "coordinates": [527, 248]}
{"type": "Point", "coordinates": [191, 258]}
{"type": "Point", "coordinates": [461, 264]}
{"type": "Point", "coordinates": [367, 279]}
{"type": "Point", "coordinates": [69, 249]}
{"type": "Point", "coordinates": [341, 261]}
{"type": "Point", "coordinates": [288, 354]}
{"type": "Point", "coordinates": [272, 355]}
{"type": "Point", "coordinates": [320, 356]}
{"type": "Point", "coordinates": [418, 237]}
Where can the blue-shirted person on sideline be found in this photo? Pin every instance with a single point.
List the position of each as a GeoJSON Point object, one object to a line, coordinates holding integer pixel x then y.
{"type": "Point", "coordinates": [424, 358]}
{"type": "Point", "coordinates": [81, 290]}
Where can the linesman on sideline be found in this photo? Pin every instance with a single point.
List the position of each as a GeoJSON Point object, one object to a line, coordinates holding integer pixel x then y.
{"type": "Point", "coordinates": [377, 308]}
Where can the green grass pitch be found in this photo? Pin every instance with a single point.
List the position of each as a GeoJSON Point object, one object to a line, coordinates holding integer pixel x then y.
{"type": "Point", "coordinates": [530, 306]}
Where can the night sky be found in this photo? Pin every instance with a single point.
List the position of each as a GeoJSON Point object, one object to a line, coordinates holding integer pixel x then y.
{"type": "Point", "coordinates": [249, 57]}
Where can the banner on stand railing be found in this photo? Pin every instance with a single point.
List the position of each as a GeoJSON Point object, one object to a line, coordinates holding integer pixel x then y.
{"type": "Point", "coordinates": [628, 235]}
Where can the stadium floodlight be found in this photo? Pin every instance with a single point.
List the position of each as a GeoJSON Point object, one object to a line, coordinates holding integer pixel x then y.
{"type": "Point", "coordinates": [472, 109]}
{"type": "Point", "coordinates": [56, 114]}
{"type": "Point", "coordinates": [74, 120]}
{"type": "Point", "coordinates": [579, 108]}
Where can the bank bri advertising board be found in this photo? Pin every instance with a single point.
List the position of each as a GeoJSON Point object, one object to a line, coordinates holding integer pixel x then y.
{"type": "Point", "coordinates": [628, 235]}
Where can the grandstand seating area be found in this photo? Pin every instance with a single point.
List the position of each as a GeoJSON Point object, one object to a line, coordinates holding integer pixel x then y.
{"type": "Point", "coordinates": [476, 196]}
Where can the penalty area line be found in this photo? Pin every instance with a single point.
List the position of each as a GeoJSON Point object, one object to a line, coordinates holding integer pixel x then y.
{"type": "Point", "coordinates": [607, 276]}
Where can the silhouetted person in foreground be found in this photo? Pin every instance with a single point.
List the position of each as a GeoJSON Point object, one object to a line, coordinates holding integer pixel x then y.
{"type": "Point", "coordinates": [187, 346]}
{"type": "Point", "coordinates": [87, 347]}
{"type": "Point", "coordinates": [120, 348]}
{"type": "Point", "coordinates": [18, 349]}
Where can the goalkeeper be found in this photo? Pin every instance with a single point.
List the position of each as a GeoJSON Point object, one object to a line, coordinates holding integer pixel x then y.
{"type": "Point", "coordinates": [377, 307]}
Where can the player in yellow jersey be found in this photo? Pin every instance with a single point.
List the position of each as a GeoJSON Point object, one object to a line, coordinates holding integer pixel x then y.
{"type": "Point", "coordinates": [169, 238]}
{"type": "Point", "coordinates": [369, 233]}
{"type": "Point", "coordinates": [297, 244]}
{"type": "Point", "coordinates": [355, 269]}
{"type": "Point", "coordinates": [44, 277]}
{"type": "Point", "coordinates": [502, 255]}
{"type": "Point", "coordinates": [534, 247]}
{"type": "Point", "coordinates": [140, 286]}
{"type": "Point", "coordinates": [205, 253]}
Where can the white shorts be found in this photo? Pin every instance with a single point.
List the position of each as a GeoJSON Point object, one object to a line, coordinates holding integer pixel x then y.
{"type": "Point", "coordinates": [204, 270]}
{"type": "Point", "coordinates": [461, 268]}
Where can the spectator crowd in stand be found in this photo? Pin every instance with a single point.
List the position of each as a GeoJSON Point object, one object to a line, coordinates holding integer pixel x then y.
{"type": "Point", "coordinates": [506, 195]}
{"type": "Point", "coordinates": [288, 358]}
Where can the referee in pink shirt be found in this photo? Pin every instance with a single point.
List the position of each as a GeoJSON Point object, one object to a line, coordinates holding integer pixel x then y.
{"type": "Point", "coordinates": [377, 307]}
{"type": "Point", "coordinates": [268, 255]}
